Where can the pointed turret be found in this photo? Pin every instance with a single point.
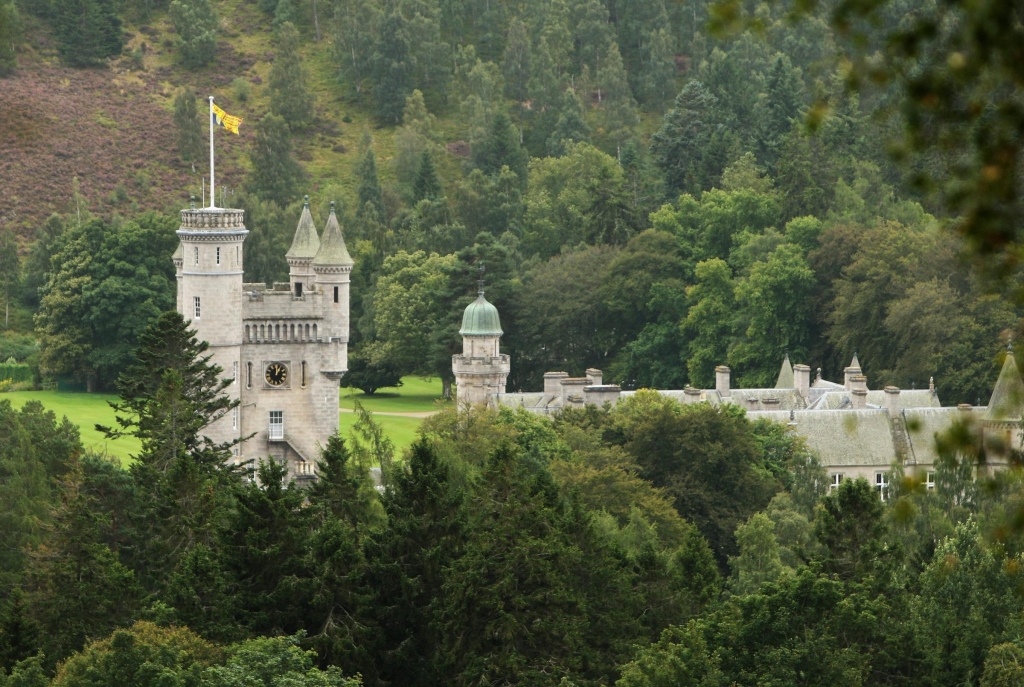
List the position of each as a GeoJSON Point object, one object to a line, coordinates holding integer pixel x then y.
{"type": "Point", "coordinates": [332, 246]}
{"type": "Point", "coordinates": [300, 256]}
{"type": "Point", "coordinates": [854, 362]}
{"type": "Point", "coordinates": [785, 380]}
{"type": "Point", "coordinates": [851, 371]}
{"type": "Point", "coordinates": [1007, 402]}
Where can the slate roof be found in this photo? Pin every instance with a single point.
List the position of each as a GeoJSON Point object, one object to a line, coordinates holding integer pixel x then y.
{"type": "Point", "coordinates": [922, 426]}
{"type": "Point", "coordinates": [1007, 402]}
{"type": "Point", "coordinates": [306, 242]}
{"type": "Point", "coordinates": [785, 380]}
{"type": "Point", "coordinates": [332, 245]}
{"type": "Point", "coordinates": [842, 437]}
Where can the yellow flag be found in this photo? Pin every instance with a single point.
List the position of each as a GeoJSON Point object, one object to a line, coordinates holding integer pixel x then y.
{"type": "Point", "coordinates": [229, 122]}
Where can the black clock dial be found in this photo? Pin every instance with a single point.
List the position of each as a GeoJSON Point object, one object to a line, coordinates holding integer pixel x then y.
{"type": "Point", "coordinates": [277, 374]}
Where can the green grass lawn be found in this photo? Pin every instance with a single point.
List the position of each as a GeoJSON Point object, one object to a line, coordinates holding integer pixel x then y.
{"type": "Point", "coordinates": [416, 395]}
{"type": "Point", "coordinates": [401, 430]}
{"type": "Point", "coordinates": [84, 410]}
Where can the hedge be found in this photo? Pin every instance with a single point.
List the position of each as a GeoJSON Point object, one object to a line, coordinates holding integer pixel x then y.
{"type": "Point", "coordinates": [16, 372]}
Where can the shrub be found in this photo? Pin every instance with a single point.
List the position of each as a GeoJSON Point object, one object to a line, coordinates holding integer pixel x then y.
{"type": "Point", "coordinates": [242, 89]}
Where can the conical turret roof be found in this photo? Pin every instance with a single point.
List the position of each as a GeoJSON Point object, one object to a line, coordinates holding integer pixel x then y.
{"type": "Point", "coordinates": [481, 319]}
{"type": "Point", "coordinates": [1007, 402]}
{"type": "Point", "coordinates": [332, 245]}
{"type": "Point", "coordinates": [306, 242]}
{"type": "Point", "coordinates": [854, 364]}
{"type": "Point", "coordinates": [785, 380]}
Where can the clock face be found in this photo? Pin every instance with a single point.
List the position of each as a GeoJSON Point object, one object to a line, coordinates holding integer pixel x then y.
{"type": "Point", "coordinates": [277, 374]}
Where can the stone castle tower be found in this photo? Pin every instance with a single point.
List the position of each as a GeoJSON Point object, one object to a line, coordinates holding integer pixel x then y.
{"type": "Point", "coordinates": [481, 370]}
{"type": "Point", "coordinates": [285, 347]}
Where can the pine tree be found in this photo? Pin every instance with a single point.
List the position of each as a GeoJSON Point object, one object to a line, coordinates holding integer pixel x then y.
{"type": "Point", "coordinates": [659, 69]}
{"type": "Point", "coordinates": [10, 36]}
{"type": "Point", "coordinates": [10, 270]}
{"type": "Point", "coordinates": [678, 146]}
{"type": "Point", "coordinates": [88, 31]}
{"type": "Point", "coordinates": [427, 185]}
{"type": "Point", "coordinates": [195, 25]}
{"type": "Point", "coordinates": [618, 113]}
{"type": "Point", "coordinates": [392, 73]}
{"type": "Point", "coordinates": [275, 172]}
{"type": "Point", "coordinates": [593, 33]}
{"type": "Point", "coordinates": [571, 127]}
{"type": "Point", "coordinates": [516, 63]}
{"type": "Point", "coordinates": [289, 95]}
{"type": "Point", "coordinates": [780, 111]}
{"type": "Point", "coordinates": [501, 148]}
{"type": "Point", "coordinates": [368, 193]}
{"type": "Point", "coordinates": [188, 125]}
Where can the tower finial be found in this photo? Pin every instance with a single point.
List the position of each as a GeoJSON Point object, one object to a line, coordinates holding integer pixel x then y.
{"type": "Point", "coordinates": [1009, 343]}
{"type": "Point", "coordinates": [480, 282]}
{"type": "Point", "coordinates": [332, 207]}
{"type": "Point", "coordinates": [305, 201]}
{"type": "Point", "coordinates": [192, 202]}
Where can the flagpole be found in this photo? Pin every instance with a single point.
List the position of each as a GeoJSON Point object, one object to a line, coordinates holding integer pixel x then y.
{"type": "Point", "coordinates": [213, 198]}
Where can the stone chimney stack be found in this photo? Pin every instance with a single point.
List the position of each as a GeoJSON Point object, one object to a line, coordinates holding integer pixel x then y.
{"type": "Point", "coordinates": [859, 382]}
{"type": "Point", "coordinates": [802, 380]}
{"type": "Point", "coordinates": [553, 384]}
{"type": "Point", "coordinates": [859, 398]}
{"type": "Point", "coordinates": [722, 381]}
{"type": "Point", "coordinates": [691, 395]}
{"type": "Point", "coordinates": [595, 376]}
{"type": "Point", "coordinates": [892, 401]}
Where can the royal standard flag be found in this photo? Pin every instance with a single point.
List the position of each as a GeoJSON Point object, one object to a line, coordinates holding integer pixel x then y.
{"type": "Point", "coordinates": [229, 122]}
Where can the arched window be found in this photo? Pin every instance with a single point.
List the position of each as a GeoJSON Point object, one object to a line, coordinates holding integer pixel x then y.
{"type": "Point", "coordinates": [293, 332]}
{"type": "Point", "coordinates": [303, 373]}
{"type": "Point", "coordinates": [248, 375]}
{"type": "Point", "coordinates": [263, 336]}
{"type": "Point", "coordinates": [314, 332]}
{"type": "Point", "coordinates": [277, 332]}
{"type": "Point", "coordinates": [307, 331]}
{"type": "Point", "coordinates": [247, 337]}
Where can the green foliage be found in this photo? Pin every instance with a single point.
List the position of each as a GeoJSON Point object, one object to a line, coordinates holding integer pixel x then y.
{"type": "Point", "coordinates": [195, 26]}
{"type": "Point", "coordinates": [87, 31]}
{"type": "Point", "coordinates": [289, 95]}
{"type": "Point", "coordinates": [273, 662]}
{"type": "Point", "coordinates": [501, 148]}
{"type": "Point", "coordinates": [109, 282]}
{"type": "Point", "coordinates": [680, 658]}
{"type": "Point", "coordinates": [391, 68]}
{"type": "Point", "coordinates": [571, 126]}
{"type": "Point", "coordinates": [187, 123]}
{"type": "Point", "coordinates": [10, 37]}
{"type": "Point", "coordinates": [368, 376]}
{"type": "Point", "coordinates": [16, 372]}
{"type": "Point", "coordinates": [759, 560]}
{"type": "Point", "coordinates": [276, 174]}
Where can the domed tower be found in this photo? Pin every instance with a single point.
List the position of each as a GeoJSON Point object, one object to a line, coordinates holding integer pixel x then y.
{"type": "Point", "coordinates": [208, 264]}
{"type": "Point", "coordinates": [481, 370]}
{"type": "Point", "coordinates": [333, 269]}
{"type": "Point", "coordinates": [300, 256]}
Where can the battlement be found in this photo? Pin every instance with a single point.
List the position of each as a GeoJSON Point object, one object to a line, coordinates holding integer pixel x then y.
{"type": "Point", "coordinates": [207, 219]}
{"type": "Point", "coordinates": [497, 364]}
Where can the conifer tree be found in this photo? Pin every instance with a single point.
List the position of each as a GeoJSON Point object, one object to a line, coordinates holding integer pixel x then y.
{"type": "Point", "coordinates": [571, 127]}
{"type": "Point", "coordinates": [88, 31]}
{"type": "Point", "coordinates": [187, 123]}
{"type": "Point", "coordinates": [592, 33]}
{"type": "Point", "coordinates": [392, 73]}
{"type": "Point", "coordinates": [10, 36]}
{"type": "Point", "coordinates": [275, 172]}
{"type": "Point", "coordinates": [679, 145]}
{"type": "Point", "coordinates": [427, 185]}
{"type": "Point", "coordinates": [195, 25]}
{"type": "Point", "coordinates": [289, 95]}
{"type": "Point", "coordinates": [516, 62]}
{"type": "Point", "coordinates": [501, 148]}
{"type": "Point", "coordinates": [759, 560]}
{"type": "Point", "coordinates": [618, 113]}
{"type": "Point", "coordinates": [659, 69]}
{"type": "Point", "coordinates": [781, 108]}
{"type": "Point", "coordinates": [368, 193]}
{"type": "Point", "coordinates": [10, 270]}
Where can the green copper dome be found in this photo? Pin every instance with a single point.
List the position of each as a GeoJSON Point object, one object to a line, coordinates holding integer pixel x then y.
{"type": "Point", "coordinates": [481, 319]}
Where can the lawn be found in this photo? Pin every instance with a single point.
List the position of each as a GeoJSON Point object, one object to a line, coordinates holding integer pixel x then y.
{"type": "Point", "coordinates": [416, 395]}
{"type": "Point", "coordinates": [401, 430]}
{"type": "Point", "coordinates": [85, 410]}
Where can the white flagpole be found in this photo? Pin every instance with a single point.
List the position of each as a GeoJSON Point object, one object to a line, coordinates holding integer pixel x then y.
{"type": "Point", "coordinates": [213, 198]}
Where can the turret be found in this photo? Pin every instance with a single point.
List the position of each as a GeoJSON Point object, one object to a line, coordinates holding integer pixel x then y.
{"type": "Point", "coordinates": [332, 267]}
{"type": "Point", "coordinates": [481, 370]}
{"type": "Point", "coordinates": [300, 256]}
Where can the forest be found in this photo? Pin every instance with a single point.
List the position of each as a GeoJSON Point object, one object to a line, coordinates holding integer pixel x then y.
{"type": "Point", "coordinates": [650, 187]}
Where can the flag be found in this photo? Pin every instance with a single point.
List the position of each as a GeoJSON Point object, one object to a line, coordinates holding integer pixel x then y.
{"type": "Point", "coordinates": [223, 119]}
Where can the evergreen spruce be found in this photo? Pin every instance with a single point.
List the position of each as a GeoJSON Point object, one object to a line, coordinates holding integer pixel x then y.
{"type": "Point", "coordinates": [10, 36]}
{"type": "Point", "coordinates": [658, 78]}
{"type": "Point", "coordinates": [392, 73]}
{"type": "Point", "coordinates": [195, 25]}
{"type": "Point", "coordinates": [427, 185]}
{"type": "Point", "coordinates": [501, 148]}
{"type": "Point", "coordinates": [780, 111]}
{"type": "Point", "coordinates": [368, 194]}
{"type": "Point", "coordinates": [516, 62]}
{"type": "Point", "coordinates": [289, 95]}
{"type": "Point", "coordinates": [618, 108]}
{"type": "Point", "coordinates": [571, 127]}
{"type": "Point", "coordinates": [191, 146]}
{"type": "Point", "coordinates": [275, 172]}
{"type": "Point", "coordinates": [87, 31]}
{"type": "Point", "coordinates": [679, 145]}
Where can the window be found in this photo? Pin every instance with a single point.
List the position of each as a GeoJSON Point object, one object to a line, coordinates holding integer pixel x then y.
{"type": "Point", "coordinates": [218, 255]}
{"type": "Point", "coordinates": [248, 375]}
{"type": "Point", "coordinates": [303, 373]}
{"type": "Point", "coordinates": [195, 301]}
{"type": "Point", "coordinates": [298, 289]}
{"type": "Point", "coordinates": [335, 294]}
{"type": "Point", "coordinates": [276, 424]}
{"type": "Point", "coordinates": [293, 332]}
{"type": "Point", "coordinates": [307, 332]}
{"type": "Point", "coordinates": [930, 480]}
{"type": "Point", "coordinates": [234, 370]}
{"type": "Point", "coordinates": [837, 479]}
{"type": "Point", "coordinates": [882, 485]}
{"type": "Point", "coordinates": [248, 334]}
{"type": "Point", "coordinates": [314, 332]}
{"type": "Point", "coordinates": [197, 255]}
{"type": "Point", "coordinates": [236, 256]}
{"type": "Point", "coordinates": [234, 418]}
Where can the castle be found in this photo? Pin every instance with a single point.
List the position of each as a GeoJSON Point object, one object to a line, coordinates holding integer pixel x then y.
{"type": "Point", "coordinates": [856, 431]}
{"type": "Point", "coordinates": [284, 348]}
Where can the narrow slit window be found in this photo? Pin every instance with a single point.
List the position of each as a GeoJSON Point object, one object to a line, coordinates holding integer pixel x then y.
{"type": "Point", "coordinates": [218, 255]}
{"type": "Point", "coordinates": [335, 294]}
{"type": "Point", "coordinates": [303, 373]}
{"type": "Point", "coordinates": [197, 255]}
{"type": "Point", "coordinates": [195, 302]}
{"type": "Point", "coordinates": [248, 375]}
{"type": "Point", "coordinates": [298, 289]}
{"type": "Point", "coordinates": [234, 371]}
{"type": "Point", "coordinates": [234, 418]}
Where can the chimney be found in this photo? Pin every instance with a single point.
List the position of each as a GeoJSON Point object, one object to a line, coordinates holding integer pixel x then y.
{"type": "Point", "coordinates": [859, 381]}
{"type": "Point", "coordinates": [859, 398]}
{"type": "Point", "coordinates": [553, 383]}
{"type": "Point", "coordinates": [691, 395]}
{"type": "Point", "coordinates": [722, 381]}
{"type": "Point", "coordinates": [595, 376]}
{"type": "Point", "coordinates": [802, 380]}
{"type": "Point", "coordinates": [892, 401]}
